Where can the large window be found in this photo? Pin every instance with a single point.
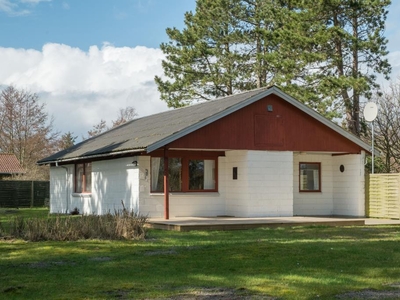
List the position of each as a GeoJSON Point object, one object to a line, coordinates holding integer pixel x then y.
{"type": "Point", "coordinates": [310, 177]}
{"type": "Point", "coordinates": [185, 174]}
{"type": "Point", "coordinates": [83, 178]}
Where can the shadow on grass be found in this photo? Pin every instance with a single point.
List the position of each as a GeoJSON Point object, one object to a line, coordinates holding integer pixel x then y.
{"type": "Point", "coordinates": [290, 263]}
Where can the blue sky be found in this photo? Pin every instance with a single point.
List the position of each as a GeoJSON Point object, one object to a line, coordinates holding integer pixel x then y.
{"type": "Point", "coordinates": [86, 59]}
{"type": "Point", "coordinates": [83, 23]}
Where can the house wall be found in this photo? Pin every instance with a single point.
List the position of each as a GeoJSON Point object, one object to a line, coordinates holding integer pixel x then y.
{"type": "Point", "coordinates": [180, 204]}
{"type": "Point", "coordinates": [341, 193]}
{"type": "Point", "coordinates": [113, 181]}
{"type": "Point", "coordinates": [349, 186]}
{"type": "Point", "coordinates": [60, 189]}
{"type": "Point", "coordinates": [264, 185]}
{"type": "Point", "coordinates": [313, 203]}
{"type": "Point", "coordinates": [263, 188]}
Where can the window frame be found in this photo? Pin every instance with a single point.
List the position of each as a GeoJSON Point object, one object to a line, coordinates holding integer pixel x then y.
{"type": "Point", "coordinates": [185, 173]}
{"type": "Point", "coordinates": [83, 179]}
{"type": "Point", "coordinates": [319, 177]}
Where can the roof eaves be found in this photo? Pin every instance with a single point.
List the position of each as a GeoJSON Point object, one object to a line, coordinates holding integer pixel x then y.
{"type": "Point", "coordinates": [71, 159]}
{"type": "Point", "coordinates": [209, 120]}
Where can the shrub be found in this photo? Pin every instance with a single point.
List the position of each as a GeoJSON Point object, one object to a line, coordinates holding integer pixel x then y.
{"type": "Point", "coordinates": [123, 224]}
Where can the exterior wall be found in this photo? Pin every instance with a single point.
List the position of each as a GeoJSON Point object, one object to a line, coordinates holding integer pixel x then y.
{"type": "Point", "coordinates": [264, 185]}
{"type": "Point", "coordinates": [314, 203]}
{"type": "Point", "coordinates": [349, 186]}
{"type": "Point", "coordinates": [180, 204]}
{"type": "Point", "coordinates": [60, 189]}
{"type": "Point", "coordinates": [113, 181]}
{"type": "Point", "coordinates": [267, 185]}
{"type": "Point", "coordinates": [263, 188]}
{"type": "Point", "coordinates": [341, 193]}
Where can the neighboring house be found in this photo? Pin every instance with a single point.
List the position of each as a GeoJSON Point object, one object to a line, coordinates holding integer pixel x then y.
{"type": "Point", "coordinates": [9, 166]}
{"type": "Point", "coordinates": [254, 154]}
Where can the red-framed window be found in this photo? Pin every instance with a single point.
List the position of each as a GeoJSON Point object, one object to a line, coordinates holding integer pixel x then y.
{"type": "Point", "coordinates": [83, 178]}
{"type": "Point", "coordinates": [309, 177]}
{"type": "Point", "coordinates": [186, 174]}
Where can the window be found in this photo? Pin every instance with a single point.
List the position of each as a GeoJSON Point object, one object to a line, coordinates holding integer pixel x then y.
{"type": "Point", "coordinates": [157, 174]}
{"type": "Point", "coordinates": [201, 174]}
{"type": "Point", "coordinates": [83, 178]}
{"type": "Point", "coordinates": [310, 177]}
{"type": "Point", "coordinates": [185, 174]}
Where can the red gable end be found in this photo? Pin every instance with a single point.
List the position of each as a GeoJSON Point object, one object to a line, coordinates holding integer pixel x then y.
{"type": "Point", "coordinates": [268, 124]}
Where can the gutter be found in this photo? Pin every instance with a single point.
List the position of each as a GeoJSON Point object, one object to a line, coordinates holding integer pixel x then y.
{"type": "Point", "coordinates": [90, 156]}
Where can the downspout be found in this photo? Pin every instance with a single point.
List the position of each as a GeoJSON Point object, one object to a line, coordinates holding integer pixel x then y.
{"type": "Point", "coordinates": [66, 182]}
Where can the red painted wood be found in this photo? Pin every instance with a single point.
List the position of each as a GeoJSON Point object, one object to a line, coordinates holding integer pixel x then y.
{"type": "Point", "coordinates": [286, 128]}
{"type": "Point", "coordinates": [166, 188]}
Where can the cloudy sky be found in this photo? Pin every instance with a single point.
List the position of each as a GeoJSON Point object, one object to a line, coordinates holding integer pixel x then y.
{"type": "Point", "coordinates": [87, 59]}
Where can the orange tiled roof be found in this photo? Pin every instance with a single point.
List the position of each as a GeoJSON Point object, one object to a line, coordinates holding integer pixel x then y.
{"type": "Point", "coordinates": [9, 164]}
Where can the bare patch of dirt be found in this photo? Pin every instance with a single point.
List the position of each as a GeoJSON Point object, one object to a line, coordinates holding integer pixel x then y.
{"type": "Point", "coordinates": [219, 293]}
{"type": "Point", "coordinates": [371, 294]}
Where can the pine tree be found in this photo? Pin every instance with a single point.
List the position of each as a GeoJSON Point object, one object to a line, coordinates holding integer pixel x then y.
{"type": "Point", "coordinates": [326, 53]}
{"type": "Point", "coordinates": [354, 48]}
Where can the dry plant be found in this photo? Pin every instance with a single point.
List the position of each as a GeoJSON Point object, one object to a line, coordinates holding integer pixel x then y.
{"type": "Point", "coordinates": [122, 224]}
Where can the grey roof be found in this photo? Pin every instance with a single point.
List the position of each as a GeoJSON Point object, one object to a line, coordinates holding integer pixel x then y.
{"type": "Point", "coordinates": [155, 131]}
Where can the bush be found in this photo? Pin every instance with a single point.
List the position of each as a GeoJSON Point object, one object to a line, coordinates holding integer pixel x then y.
{"type": "Point", "coordinates": [122, 224]}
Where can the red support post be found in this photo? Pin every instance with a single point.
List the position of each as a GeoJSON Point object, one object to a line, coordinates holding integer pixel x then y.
{"type": "Point", "coordinates": [166, 186]}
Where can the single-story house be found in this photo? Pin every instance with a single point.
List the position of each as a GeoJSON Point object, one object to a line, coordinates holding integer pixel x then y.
{"type": "Point", "coordinates": [255, 154]}
{"type": "Point", "coordinates": [9, 166]}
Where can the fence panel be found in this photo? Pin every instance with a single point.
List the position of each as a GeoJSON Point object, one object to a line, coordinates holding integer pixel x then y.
{"type": "Point", "coordinates": [24, 193]}
{"type": "Point", "coordinates": [384, 196]}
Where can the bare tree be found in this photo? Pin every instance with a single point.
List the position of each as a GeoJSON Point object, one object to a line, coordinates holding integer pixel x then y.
{"type": "Point", "coordinates": [26, 130]}
{"type": "Point", "coordinates": [387, 130]}
{"type": "Point", "coordinates": [124, 115]}
{"type": "Point", "coordinates": [67, 140]}
{"type": "Point", "coordinates": [97, 129]}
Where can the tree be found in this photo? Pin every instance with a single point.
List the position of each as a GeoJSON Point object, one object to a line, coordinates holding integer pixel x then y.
{"type": "Point", "coordinates": [124, 115]}
{"type": "Point", "coordinates": [326, 53]}
{"type": "Point", "coordinates": [67, 140]}
{"type": "Point", "coordinates": [387, 130]}
{"type": "Point", "coordinates": [354, 49]}
{"type": "Point", "coordinates": [97, 129]}
{"type": "Point", "coordinates": [26, 130]}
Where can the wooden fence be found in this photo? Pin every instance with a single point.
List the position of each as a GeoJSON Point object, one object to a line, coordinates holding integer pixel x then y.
{"type": "Point", "coordinates": [383, 196]}
{"type": "Point", "coordinates": [24, 193]}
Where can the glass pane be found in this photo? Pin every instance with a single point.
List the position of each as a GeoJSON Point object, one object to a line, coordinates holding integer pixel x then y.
{"type": "Point", "coordinates": [88, 177]}
{"type": "Point", "coordinates": [157, 174]}
{"type": "Point", "coordinates": [175, 174]}
{"type": "Point", "coordinates": [309, 177]}
{"type": "Point", "coordinates": [78, 177]}
{"type": "Point", "coordinates": [201, 174]}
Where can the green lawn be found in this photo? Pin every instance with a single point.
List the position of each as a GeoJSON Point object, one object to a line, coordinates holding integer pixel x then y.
{"type": "Point", "coordinates": [289, 263]}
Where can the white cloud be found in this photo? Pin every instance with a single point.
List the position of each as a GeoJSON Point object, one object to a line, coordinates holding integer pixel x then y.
{"type": "Point", "coordinates": [12, 9]}
{"type": "Point", "coordinates": [81, 87]}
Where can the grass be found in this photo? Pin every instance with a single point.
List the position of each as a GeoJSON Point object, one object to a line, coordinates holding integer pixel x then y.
{"type": "Point", "coordinates": [289, 263]}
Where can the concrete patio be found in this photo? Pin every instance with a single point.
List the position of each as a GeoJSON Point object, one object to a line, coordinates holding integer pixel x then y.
{"type": "Point", "coordinates": [232, 223]}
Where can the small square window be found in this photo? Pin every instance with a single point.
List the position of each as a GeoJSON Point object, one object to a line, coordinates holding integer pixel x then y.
{"type": "Point", "coordinates": [310, 177]}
